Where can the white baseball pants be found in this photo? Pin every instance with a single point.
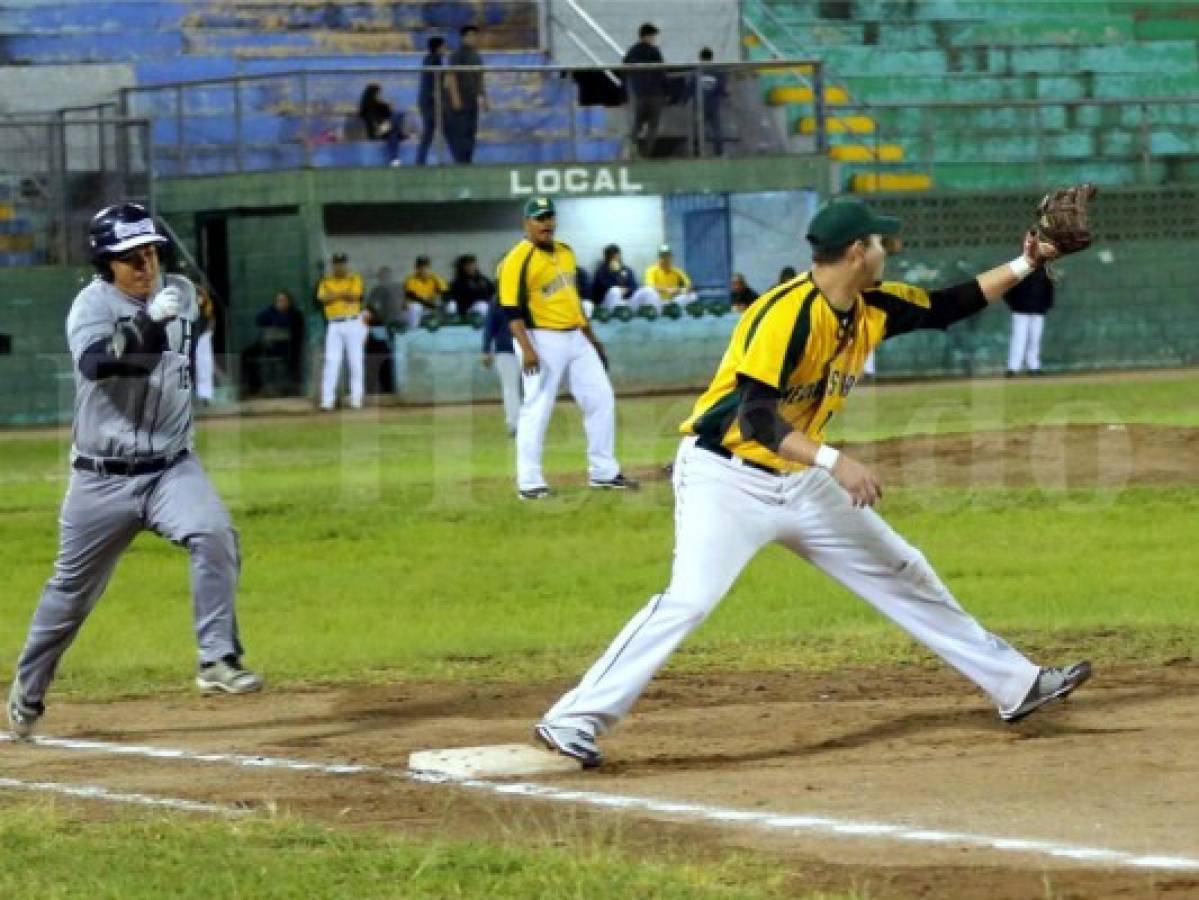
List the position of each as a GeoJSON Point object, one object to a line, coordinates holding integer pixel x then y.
{"type": "Point", "coordinates": [725, 512]}
{"type": "Point", "coordinates": [643, 296]}
{"type": "Point", "coordinates": [507, 367]}
{"type": "Point", "coordinates": [565, 354]}
{"type": "Point", "coordinates": [1027, 329]}
{"type": "Point", "coordinates": [345, 338]}
{"type": "Point", "coordinates": [205, 367]}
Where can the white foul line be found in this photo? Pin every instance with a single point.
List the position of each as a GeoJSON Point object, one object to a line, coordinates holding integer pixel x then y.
{"type": "Point", "coordinates": [695, 811]}
{"type": "Point", "coordinates": [95, 792]}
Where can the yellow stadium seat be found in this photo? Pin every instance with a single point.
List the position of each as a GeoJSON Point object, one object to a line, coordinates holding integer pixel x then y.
{"type": "Point", "coordinates": [838, 125]}
{"type": "Point", "coordinates": [796, 93]}
{"type": "Point", "coordinates": [864, 153]}
{"type": "Point", "coordinates": [887, 182]}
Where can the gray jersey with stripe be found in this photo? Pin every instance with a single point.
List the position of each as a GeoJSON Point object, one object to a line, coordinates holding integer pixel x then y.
{"type": "Point", "coordinates": [132, 417]}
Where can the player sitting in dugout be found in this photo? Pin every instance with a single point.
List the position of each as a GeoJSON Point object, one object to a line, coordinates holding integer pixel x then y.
{"type": "Point", "coordinates": [616, 285]}
{"type": "Point", "coordinates": [423, 291]}
{"type": "Point", "coordinates": [668, 281]}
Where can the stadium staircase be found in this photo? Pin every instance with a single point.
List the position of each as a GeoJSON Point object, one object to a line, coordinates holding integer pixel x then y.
{"type": "Point", "coordinates": [887, 51]}
{"type": "Point", "coordinates": [167, 42]}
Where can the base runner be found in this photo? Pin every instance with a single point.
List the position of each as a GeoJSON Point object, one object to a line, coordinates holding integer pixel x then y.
{"type": "Point", "coordinates": [753, 469]}
{"type": "Point", "coordinates": [133, 466]}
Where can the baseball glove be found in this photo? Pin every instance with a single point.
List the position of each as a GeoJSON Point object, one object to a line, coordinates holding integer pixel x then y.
{"type": "Point", "coordinates": [1062, 219]}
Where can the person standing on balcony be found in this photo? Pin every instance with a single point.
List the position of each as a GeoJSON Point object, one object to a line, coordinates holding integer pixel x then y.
{"type": "Point", "coordinates": [464, 97]}
{"type": "Point", "coordinates": [648, 89]}
{"type": "Point", "coordinates": [713, 88]}
{"type": "Point", "coordinates": [427, 99]}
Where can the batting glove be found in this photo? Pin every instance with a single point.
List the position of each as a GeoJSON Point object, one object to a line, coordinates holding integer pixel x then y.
{"type": "Point", "coordinates": [167, 304]}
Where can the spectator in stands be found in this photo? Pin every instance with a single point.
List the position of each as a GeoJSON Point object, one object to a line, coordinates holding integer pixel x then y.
{"type": "Point", "coordinates": [429, 86]}
{"type": "Point", "coordinates": [616, 285]}
{"type": "Point", "coordinates": [499, 351]}
{"type": "Point", "coordinates": [381, 121]}
{"type": "Point", "coordinates": [464, 97]}
{"type": "Point", "coordinates": [470, 291]}
{"type": "Point", "coordinates": [280, 338]}
{"type": "Point", "coordinates": [713, 86]}
{"type": "Point", "coordinates": [786, 273]}
{"type": "Point", "coordinates": [741, 295]}
{"type": "Point", "coordinates": [340, 294]}
{"type": "Point", "coordinates": [386, 298]}
{"type": "Point", "coordinates": [668, 281]}
{"type": "Point", "coordinates": [1029, 301]}
{"type": "Point", "coordinates": [647, 88]}
{"type": "Point", "coordinates": [379, 368]}
{"type": "Point", "coordinates": [424, 290]}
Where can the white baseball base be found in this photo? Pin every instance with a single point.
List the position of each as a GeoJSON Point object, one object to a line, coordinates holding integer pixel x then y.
{"type": "Point", "coordinates": [495, 761]}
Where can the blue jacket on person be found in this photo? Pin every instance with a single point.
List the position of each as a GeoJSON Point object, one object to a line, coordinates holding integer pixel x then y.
{"type": "Point", "coordinates": [495, 330]}
{"type": "Point", "coordinates": [606, 279]}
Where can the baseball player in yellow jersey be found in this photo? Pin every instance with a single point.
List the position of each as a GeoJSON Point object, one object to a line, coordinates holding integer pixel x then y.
{"type": "Point", "coordinates": [553, 340]}
{"type": "Point", "coordinates": [340, 294]}
{"type": "Point", "coordinates": [753, 469]}
{"type": "Point", "coordinates": [671, 283]}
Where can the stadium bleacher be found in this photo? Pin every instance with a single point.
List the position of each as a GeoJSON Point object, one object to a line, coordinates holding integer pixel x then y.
{"type": "Point", "coordinates": [880, 52]}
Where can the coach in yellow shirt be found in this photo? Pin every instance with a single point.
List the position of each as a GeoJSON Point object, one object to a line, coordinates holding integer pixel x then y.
{"type": "Point", "coordinates": [671, 283]}
{"type": "Point", "coordinates": [340, 296]}
{"type": "Point", "coordinates": [754, 470]}
{"type": "Point", "coordinates": [554, 340]}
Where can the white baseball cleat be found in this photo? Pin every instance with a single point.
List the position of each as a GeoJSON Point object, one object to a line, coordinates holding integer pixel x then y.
{"type": "Point", "coordinates": [573, 742]}
{"type": "Point", "coordinates": [1051, 684]}
{"type": "Point", "coordinates": [22, 715]}
{"type": "Point", "coordinates": [227, 676]}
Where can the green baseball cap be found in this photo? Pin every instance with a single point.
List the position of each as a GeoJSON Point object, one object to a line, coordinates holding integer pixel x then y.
{"type": "Point", "coordinates": [841, 222]}
{"type": "Point", "coordinates": [536, 207]}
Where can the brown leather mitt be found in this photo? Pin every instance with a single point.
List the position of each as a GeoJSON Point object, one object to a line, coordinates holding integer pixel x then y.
{"type": "Point", "coordinates": [1062, 218]}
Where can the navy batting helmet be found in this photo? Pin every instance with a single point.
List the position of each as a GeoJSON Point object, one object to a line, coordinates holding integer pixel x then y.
{"type": "Point", "coordinates": [118, 229]}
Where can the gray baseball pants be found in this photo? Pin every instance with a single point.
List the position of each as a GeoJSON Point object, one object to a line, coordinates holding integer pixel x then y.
{"type": "Point", "coordinates": [101, 514]}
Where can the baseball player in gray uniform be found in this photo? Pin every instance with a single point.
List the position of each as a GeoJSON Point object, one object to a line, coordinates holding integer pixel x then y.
{"type": "Point", "coordinates": [133, 466]}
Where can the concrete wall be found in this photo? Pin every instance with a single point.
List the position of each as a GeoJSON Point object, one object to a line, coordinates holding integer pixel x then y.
{"type": "Point", "coordinates": [26, 89]}
{"type": "Point", "coordinates": [686, 26]}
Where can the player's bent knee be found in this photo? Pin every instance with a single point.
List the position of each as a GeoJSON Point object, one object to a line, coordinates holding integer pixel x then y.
{"type": "Point", "coordinates": [217, 548]}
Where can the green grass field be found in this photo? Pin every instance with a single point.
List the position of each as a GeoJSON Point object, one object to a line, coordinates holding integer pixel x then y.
{"type": "Point", "coordinates": [390, 546]}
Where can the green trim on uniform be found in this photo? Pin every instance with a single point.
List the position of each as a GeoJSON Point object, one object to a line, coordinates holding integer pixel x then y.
{"type": "Point", "coordinates": [799, 337]}
{"type": "Point", "coordinates": [522, 290]}
{"type": "Point", "coordinates": [753, 328]}
{"type": "Point", "coordinates": [716, 420]}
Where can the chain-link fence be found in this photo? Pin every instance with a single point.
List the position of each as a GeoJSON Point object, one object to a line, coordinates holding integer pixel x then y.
{"type": "Point", "coordinates": [56, 171]}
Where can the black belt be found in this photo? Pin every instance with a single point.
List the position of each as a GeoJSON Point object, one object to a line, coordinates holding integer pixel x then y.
{"type": "Point", "coordinates": [726, 453]}
{"type": "Point", "coordinates": [143, 466]}
{"type": "Point", "coordinates": [345, 319]}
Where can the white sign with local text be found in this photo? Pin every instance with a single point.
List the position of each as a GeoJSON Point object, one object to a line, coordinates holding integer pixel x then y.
{"type": "Point", "coordinates": [574, 181]}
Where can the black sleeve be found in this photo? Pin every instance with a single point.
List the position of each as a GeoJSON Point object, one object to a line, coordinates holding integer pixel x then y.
{"type": "Point", "coordinates": [945, 307]}
{"type": "Point", "coordinates": [133, 350]}
{"type": "Point", "coordinates": [515, 314]}
{"type": "Point", "coordinates": [758, 415]}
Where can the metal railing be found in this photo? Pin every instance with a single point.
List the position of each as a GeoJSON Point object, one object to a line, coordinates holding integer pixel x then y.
{"type": "Point", "coordinates": [537, 114]}
{"type": "Point", "coordinates": [60, 168]}
{"type": "Point", "coordinates": [1036, 134]}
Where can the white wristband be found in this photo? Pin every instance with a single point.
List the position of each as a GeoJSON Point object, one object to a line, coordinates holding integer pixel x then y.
{"type": "Point", "coordinates": [826, 457]}
{"type": "Point", "coordinates": [1021, 267]}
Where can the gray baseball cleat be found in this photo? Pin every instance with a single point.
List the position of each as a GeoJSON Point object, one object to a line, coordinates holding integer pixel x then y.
{"type": "Point", "coordinates": [227, 676]}
{"type": "Point", "coordinates": [536, 493]}
{"type": "Point", "coordinates": [573, 742]}
{"type": "Point", "coordinates": [22, 715]}
{"type": "Point", "coordinates": [621, 482]}
{"type": "Point", "coordinates": [1052, 684]}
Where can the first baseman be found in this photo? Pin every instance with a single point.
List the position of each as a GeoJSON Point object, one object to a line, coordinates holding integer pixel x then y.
{"type": "Point", "coordinates": [554, 340]}
{"type": "Point", "coordinates": [133, 466]}
{"type": "Point", "coordinates": [753, 469]}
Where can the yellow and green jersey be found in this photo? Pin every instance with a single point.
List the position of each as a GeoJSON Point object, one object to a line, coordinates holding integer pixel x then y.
{"type": "Point", "coordinates": [674, 280]}
{"type": "Point", "coordinates": [332, 286]}
{"type": "Point", "coordinates": [542, 285]}
{"type": "Point", "coordinates": [793, 340]}
{"type": "Point", "coordinates": [425, 289]}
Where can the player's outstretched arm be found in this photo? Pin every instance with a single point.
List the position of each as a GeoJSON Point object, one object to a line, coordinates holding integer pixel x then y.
{"type": "Point", "coordinates": [998, 281]}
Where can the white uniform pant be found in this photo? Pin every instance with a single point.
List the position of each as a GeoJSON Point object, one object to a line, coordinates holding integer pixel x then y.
{"type": "Point", "coordinates": [725, 512]}
{"type": "Point", "coordinates": [345, 338]}
{"type": "Point", "coordinates": [868, 368]}
{"type": "Point", "coordinates": [507, 367]}
{"type": "Point", "coordinates": [1026, 341]}
{"type": "Point", "coordinates": [205, 367]}
{"type": "Point", "coordinates": [565, 354]}
{"type": "Point", "coordinates": [643, 296]}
